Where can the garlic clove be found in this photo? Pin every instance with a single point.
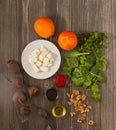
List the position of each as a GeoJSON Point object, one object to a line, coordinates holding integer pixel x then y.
{"type": "Point", "coordinates": [17, 82]}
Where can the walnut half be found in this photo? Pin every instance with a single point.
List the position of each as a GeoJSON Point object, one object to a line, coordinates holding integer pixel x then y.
{"type": "Point", "coordinates": [91, 123]}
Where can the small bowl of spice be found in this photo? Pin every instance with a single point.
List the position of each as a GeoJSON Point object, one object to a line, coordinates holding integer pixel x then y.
{"type": "Point", "coordinates": [51, 94]}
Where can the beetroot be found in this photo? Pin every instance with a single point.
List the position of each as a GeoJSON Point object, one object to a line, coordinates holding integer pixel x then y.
{"type": "Point", "coordinates": [42, 112]}
{"type": "Point", "coordinates": [13, 66]}
{"type": "Point", "coordinates": [19, 97]}
{"type": "Point", "coordinates": [60, 81]}
{"type": "Point", "coordinates": [18, 82]}
{"type": "Point", "coordinates": [25, 110]}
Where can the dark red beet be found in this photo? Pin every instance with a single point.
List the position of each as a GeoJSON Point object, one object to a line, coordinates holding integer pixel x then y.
{"type": "Point", "coordinates": [19, 97]}
{"type": "Point", "coordinates": [25, 110]}
{"type": "Point", "coordinates": [42, 112]}
{"type": "Point", "coordinates": [13, 66]}
{"type": "Point", "coordinates": [17, 82]}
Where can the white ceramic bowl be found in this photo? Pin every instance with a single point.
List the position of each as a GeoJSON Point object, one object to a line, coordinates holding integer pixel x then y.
{"type": "Point", "coordinates": [27, 66]}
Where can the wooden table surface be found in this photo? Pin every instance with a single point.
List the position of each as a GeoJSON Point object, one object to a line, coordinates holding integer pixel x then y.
{"type": "Point", "coordinates": [16, 31]}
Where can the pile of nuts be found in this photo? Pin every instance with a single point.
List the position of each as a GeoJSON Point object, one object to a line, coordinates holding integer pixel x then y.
{"type": "Point", "coordinates": [78, 101]}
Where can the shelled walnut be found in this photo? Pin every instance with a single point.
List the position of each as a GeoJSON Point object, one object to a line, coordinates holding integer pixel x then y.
{"type": "Point", "coordinates": [91, 123]}
{"type": "Point", "coordinates": [72, 113]}
{"type": "Point", "coordinates": [33, 91]}
{"type": "Point", "coordinates": [81, 108]}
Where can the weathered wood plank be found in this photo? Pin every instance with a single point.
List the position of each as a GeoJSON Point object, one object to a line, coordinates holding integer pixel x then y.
{"type": "Point", "coordinates": [16, 31]}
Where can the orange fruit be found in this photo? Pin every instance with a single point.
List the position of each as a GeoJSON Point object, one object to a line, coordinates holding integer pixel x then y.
{"type": "Point", "coordinates": [44, 27]}
{"type": "Point", "coordinates": [67, 40]}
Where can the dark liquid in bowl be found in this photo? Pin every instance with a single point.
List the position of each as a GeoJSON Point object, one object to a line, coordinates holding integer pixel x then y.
{"type": "Point", "coordinates": [51, 94]}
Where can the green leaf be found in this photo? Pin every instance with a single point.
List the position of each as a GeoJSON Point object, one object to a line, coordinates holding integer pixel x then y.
{"type": "Point", "coordinates": [87, 84]}
{"type": "Point", "coordinates": [67, 70]}
{"type": "Point", "coordinates": [101, 78]}
{"type": "Point", "coordinates": [76, 73]}
{"type": "Point", "coordinates": [99, 52]}
{"type": "Point", "coordinates": [91, 60]}
{"type": "Point", "coordinates": [78, 81]}
{"type": "Point", "coordinates": [95, 69]}
{"type": "Point", "coordinates": [82, 59]}
{"type": "Point", "coordinates": [72, 62]}
{"type": "Point", "coordinates": [103, 64]}
{"type": "Point", "coordinates": [96, 96]}
{"type": "Point", "coordinates": [83, 71]}
{"type": "Point", "coordinates": [95, 88]}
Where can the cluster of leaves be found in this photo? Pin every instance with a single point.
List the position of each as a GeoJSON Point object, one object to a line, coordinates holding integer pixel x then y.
{"type": "Point", "coordinates": [86, 64]}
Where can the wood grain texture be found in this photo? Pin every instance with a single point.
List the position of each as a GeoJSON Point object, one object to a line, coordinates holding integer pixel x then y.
{"type": "Point", "coordinates": [16, 31]}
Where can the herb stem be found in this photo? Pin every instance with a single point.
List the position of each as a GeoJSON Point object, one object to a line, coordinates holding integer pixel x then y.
{"type": "Point", "coordinates": [95, 75]}
{"type": "Point", "coordinates": [79, 54]}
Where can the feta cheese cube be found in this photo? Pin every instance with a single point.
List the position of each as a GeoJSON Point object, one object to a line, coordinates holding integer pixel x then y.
{"type": "Point", "coordinates": [41, 57]}
{"type": "Point", "coordinates": [46, 60]}
{"type": "Point", "coordinates": [45, 64]}
{"type": "Point", "coordinates": [49, 56]}
{"type": "Point", "coordinates": [33, 60]}
{"type": "Point", "coordinates": [44, 69]}
{"type": "Point", "coordinates": [38, 63]}
{"type": "Point", "coordinates": [44, 53]}
{"type": "Point", "coordinates": [35, 52]}
{"type": "Point", "coordinates": [35, 68]}
{"type": "Point", "coordinates": [49, 64]}
{"type": "Point", "coordinates": [42, 49]}
{"type": "Point", "coordinates": [51, 60]}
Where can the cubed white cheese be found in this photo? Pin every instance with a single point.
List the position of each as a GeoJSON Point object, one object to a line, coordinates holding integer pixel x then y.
{"type": "Point", "coordinates": [50, 64]}
{"type": "Point", "coordinates": [38, 63]}
{"type": "Point", "coordinates": [44, 69]}
{"type": "Point", "coordinates": [33, 60]}
{"type": "Point", "coordinates": [45, 64]}
{"type": "Point", "coordinates": [35, 68]}
{"type": "Point", "coordinates": [49, 55]}
{"type": "Point", "coordinates": [46, 60]}
{"type": "Point", "coordinates": [42, 48]}
{"type": "Point", "coordinates": [35, 52]}
{"type": "Point", "coordinates": [44, 53]}
{"type": "Point", "coordinates": [41, 57]}
{"type": "Point", "coordinates": [51, 60]}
